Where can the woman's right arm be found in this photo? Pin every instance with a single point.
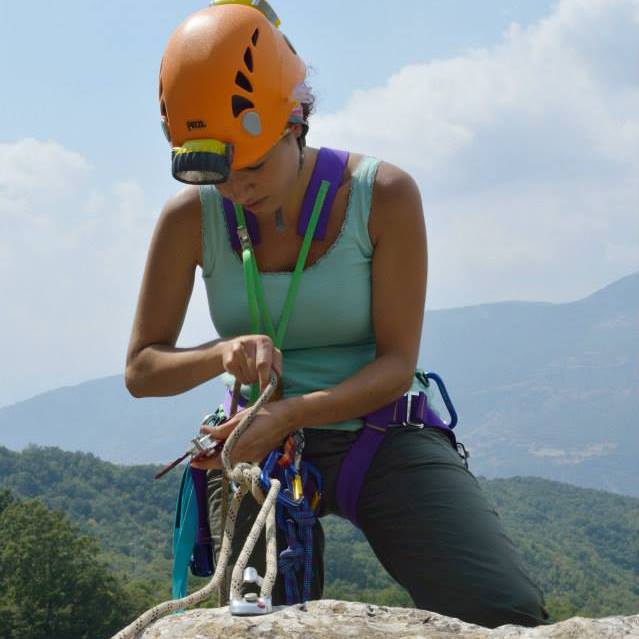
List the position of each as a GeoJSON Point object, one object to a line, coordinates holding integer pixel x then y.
{"type": "Point", "coordinates": [154, 366]}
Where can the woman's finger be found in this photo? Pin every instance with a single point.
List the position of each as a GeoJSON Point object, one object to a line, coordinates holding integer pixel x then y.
{"type": "Point", "coordinates": [249, 362]}
{"type": "Point", "coordinates": [207, 463]}
{"type": "Point", "coordinates": [243, 363]}
{"type": "Point", "coordinates": [277, 361]}
{"type": "Point", "coordinates": [264, 361]}
{"type": "Point", "coordinates": [221, 431]}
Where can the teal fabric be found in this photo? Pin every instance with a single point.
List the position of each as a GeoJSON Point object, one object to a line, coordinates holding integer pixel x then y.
{"type": "Point", "coordinates": [184, 534]}
{"type": "Point", "coordinates": [330, 333]}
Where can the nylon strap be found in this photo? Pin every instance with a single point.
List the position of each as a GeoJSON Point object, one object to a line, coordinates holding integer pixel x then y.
{"type": "Point", "coordinates": [258, 309]}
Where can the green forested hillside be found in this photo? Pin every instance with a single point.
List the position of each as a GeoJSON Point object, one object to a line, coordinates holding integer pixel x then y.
{"type": "Point", "coordinates": [581, 545]}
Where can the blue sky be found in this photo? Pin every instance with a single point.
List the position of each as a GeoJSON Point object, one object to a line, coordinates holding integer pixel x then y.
{"type": "Point", "coordinates": [518, 119]}
{"type": "Point", "coordinates": [84, 73]}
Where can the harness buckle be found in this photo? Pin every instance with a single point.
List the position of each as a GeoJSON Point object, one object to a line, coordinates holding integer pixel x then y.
{"type": "Point", "coordinates": [409, 405]}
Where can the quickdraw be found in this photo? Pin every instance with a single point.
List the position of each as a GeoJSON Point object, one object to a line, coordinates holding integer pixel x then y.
{"type": "Point", "coordinates": [296, 514]}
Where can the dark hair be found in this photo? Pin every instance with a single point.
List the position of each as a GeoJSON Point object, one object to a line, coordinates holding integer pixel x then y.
{"type": "Point", "coordinates": [307, 110]}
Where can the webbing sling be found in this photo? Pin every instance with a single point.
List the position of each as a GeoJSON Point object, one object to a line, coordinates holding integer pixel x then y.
{"type": "Point", "coordinates": [184, 534]}
{"type": "Point", "coordinates": [318, 199]}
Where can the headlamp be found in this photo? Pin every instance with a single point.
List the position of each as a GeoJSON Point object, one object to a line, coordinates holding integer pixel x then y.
{"type": "Point", "coordinates": [202, 162]}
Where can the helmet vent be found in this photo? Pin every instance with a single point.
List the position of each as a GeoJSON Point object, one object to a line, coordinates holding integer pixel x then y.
{"type": "Point", "coordinates": [255, 36]}
{"type": "Point", "coordinates": [240, 103]}
{"type": "Point", "coordinates": [248, 59]}
{"type": "Point", "coordinates": [242, 81]}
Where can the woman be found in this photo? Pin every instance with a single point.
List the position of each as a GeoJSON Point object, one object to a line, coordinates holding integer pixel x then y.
{"type": "Point", "coordinates": [234, 107]}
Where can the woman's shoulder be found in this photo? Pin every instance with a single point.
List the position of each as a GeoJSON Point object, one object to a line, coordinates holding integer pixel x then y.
{"type": "Point", "coordinates": [389, 179]}
{"type": "Point", "coordinates": [180, 221]}
{"type": "Point", "coordinates": [395, 196]}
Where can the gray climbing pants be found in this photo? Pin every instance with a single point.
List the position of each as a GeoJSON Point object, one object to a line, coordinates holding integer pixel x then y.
{"type": "Point", "coordinates": [426, 520]}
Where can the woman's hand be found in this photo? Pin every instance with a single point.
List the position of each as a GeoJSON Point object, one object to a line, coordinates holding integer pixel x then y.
{"type": "Point", "coordinates": [271, 425]}
{"type": "Point", "coordinates": [249, 358]}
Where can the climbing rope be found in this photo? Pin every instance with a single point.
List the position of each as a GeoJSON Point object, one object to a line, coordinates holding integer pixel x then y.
{"type": "Point", "coordinates": [247, 478]}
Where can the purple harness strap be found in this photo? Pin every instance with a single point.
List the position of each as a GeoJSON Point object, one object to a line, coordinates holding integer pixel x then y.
{"type": "Point", "coordinates": [199, 483]}
{"type": "Point", "coordinates": [228, 396]}
{"type": "Point", "coordinates": [330, 165]}
{"type": "Point", "coordinates": [357, 461]}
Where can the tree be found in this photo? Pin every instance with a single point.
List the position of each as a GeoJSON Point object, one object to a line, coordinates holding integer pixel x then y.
{"type": "Point", "coordinates": [52, 583]}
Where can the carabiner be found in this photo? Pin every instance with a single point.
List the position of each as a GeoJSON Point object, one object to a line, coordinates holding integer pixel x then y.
{"type": "Point", "coordinates": [424, 377]}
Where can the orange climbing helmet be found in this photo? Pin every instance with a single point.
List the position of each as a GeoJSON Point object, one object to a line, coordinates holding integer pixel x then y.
{"type": "Point", "coordinates": [230, 82]}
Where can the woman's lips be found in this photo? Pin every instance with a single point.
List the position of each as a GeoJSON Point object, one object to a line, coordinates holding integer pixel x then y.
{"type": "Point", "coordinates": [250, 205]}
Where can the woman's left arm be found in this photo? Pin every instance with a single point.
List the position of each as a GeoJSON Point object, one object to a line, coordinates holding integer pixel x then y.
{"type": "Point", "coordinates": [399, 275]}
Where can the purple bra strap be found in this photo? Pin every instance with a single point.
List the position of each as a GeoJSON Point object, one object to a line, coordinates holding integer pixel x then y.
{"type": "Point", "coordinates": [330, 165]}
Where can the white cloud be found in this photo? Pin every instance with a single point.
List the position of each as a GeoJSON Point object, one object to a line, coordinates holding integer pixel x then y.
{"type": "Point", "coordinates": [71, 259]}
{"type": "Point", "coordinates": [527, 155]}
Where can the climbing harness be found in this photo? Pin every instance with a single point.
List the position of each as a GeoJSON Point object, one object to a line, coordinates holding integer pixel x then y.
{"type": "Point", "coordinates": [412, 409]}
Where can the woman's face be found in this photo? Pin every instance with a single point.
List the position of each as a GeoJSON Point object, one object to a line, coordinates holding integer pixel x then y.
{"type": "Point", "coordinates": [264, 186]}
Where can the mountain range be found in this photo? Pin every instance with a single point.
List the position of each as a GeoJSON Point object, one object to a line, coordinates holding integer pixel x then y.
{"type": "Point", "coordinates": [543, 389]}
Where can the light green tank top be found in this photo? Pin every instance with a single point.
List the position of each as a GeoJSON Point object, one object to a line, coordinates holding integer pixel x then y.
{"type": "Point", "coordinates": [330, 332]}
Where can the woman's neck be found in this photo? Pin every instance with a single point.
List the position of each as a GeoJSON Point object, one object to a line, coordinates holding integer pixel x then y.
{"type": "Point", "coordinates": [290, 210]}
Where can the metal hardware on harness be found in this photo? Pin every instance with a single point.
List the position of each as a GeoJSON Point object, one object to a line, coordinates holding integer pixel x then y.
{"type": "Point", "coordinates": [464, 453]}
{"type": "Point", "coordinates": [251, 603]}
{"type": "Point", "coordinates": [298, 492]}
{"type": "Point", "coordinates": [203, 446]}
{"type": "Point", "coordinates": [409, 406]}
{"type": "Point", "coordinates": [424, 378]}
{"type": "Point", "coordinates": [245, 238]}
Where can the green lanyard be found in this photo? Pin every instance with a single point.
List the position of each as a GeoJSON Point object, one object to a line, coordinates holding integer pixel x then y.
{"type": "Point", "coordinates": [255, 292]}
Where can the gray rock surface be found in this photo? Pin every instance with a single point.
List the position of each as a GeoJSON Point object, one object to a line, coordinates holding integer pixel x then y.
{"type": "Point", "coordinates": [329, 619]}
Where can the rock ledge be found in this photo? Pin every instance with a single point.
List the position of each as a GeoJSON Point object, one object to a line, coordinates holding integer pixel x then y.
{"type": "Point", "coordinates": [330, 619]}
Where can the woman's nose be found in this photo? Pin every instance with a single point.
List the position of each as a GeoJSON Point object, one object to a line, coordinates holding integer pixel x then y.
{"type": "Point", "coordinates": [241, 185]}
